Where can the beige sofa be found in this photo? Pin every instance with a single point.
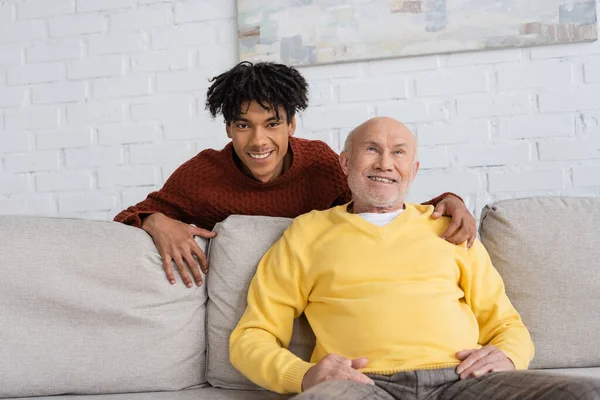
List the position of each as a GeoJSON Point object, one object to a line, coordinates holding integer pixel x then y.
{"type": "Point", "coordinates": [85, 308]}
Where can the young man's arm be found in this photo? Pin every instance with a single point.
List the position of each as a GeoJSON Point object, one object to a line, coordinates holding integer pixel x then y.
{"type": "Point", "coordinates": [163, 215]}
{"type": "Point", "coordinates": [500, 326]}
{"type": "Point", "coordinates": [168, 201]}
{"type": "Point", "coordinates": [258, 344]}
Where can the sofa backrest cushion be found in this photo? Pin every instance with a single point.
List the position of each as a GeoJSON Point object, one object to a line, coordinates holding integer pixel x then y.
{"type": "Point", "coordinates": [85, 308]}
{"type": "Point", "coordinates": [547, 250]}
{"type": "Point", "coordinates": [234, 254]}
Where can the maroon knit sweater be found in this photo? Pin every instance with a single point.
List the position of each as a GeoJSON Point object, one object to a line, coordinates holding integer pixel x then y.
{"type": "Point", "coordinates": [210, 187]}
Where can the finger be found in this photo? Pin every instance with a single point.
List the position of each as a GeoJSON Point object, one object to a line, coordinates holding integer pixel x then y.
{"type": "Point", "coordinates": [166, 262]}
{"type": "Point", "coordinates": [181, 267]}
{"type": "Point", "coordinates": [461, 355]}
{"type": "Point", "coordinates": [195, 231]}
{"type": "Point", "coordinates": [359, 363]}
{"type": "Point", "coordinates": [476, 366]}
{"type": "Point", "coordinates": [454, 225]}
{"type": "Point", "coordinates": [194, 268]}
{"type": "Point", "coordinates": [494, 360]}
{"type": "Point", "coordinates": [201, 257]}
{"type": "Point", "coordinates": [472, 359]}
{"type": "Point", "coordinates": [471, 240]}
{"type": "Point", "coordinates": [468, 229]}
{"type": "Point", "coordinates": [459, 236]}
{"type": "Point", "coordinates": [476, 372]}
{"type": "Point", "coordinates": [355, 376]}
{"type": "Point", "coordinates": [439, 210]}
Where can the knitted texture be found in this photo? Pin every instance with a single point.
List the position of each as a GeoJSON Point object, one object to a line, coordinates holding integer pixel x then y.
{"type": "Point", "coordinates": [210, 187]}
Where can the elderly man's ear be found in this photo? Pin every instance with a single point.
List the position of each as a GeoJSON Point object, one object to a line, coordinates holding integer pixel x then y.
{"type": "Point", "coordinates": [344, 162]}
{"type": "Point", "coordinates": [416, 166]}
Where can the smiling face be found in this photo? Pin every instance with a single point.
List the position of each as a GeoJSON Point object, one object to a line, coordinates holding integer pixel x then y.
{"type": "Point", "coordinates": [380, 162]}
{"type": "Point", "coordinates": [261, 140]}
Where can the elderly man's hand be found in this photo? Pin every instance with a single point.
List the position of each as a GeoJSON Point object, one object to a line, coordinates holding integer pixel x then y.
{"type": "Point", "coordinates": [462, 227]}
{"type": "Point", "coordinates": [334, 367]}
{"type": "Point", "coordinates": [478, 362]}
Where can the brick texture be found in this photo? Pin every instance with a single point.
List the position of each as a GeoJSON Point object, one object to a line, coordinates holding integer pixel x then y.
{"type": "Point", "coordinates": [101, 100]}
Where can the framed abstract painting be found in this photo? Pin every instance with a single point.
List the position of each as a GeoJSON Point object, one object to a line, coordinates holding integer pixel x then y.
{"type": "Point", "coordinates": [307, 32]}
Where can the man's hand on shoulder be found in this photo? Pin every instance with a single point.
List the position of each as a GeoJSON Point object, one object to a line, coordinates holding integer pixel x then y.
{"type": "Point", "coordinates": [175, 242]}
{"type": "Point", "coordinates": [479, 362]}
{"type": "Point", "coordinates": [462, 227]}
{"type": "Point", "coordinates": [334, 367]}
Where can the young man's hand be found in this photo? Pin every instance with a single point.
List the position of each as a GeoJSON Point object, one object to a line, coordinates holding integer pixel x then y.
{"type": "Point", "coordinates": [462, 227]}
{"type": "Point", "coordinates": [478, 362]}
{"type": "Point", "coordinates": [334, 367]}
{"type": "Point", "coordinates": [175, 242]}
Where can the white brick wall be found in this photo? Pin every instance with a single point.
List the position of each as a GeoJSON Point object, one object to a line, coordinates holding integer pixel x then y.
{"type": "Point", "coordinates": [55, 93]}
{"type": "Point", "coordinates": [76, 25]}
{"type": "Point", "coordinates": [34, 73]}
{"type": "Point", "coordinates": [63, 181]}
{"type": "Point", "coordinates": [451, 81]}
{"type": "Point", "coordinates": [54, 51]}
{"type": "Point", "coordinates": [101, 100]}
{"type": "Point", "coordinates": [94, 5]}
{"type": "Point", "coordinates": [44, 8]}
{"type": "Point", "coordinates": [140, 18]}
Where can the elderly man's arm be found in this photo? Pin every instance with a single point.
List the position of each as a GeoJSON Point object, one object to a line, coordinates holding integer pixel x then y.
{"type": "Point", "coordinates": [258, 345]}
{"type": "Point", "coordinates": [501, 330]}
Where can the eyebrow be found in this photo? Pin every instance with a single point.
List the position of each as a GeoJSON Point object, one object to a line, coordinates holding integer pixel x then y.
{"type": "Point", "coordinates": [371, 143]}
{"type": "Point", "coordinates": [273, 118]}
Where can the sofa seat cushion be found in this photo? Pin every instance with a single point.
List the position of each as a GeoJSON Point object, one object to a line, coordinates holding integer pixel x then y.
{"type": "Point", "coordinates": [85, 308]}
{"type": "Point", "coordinates": [207, 393]}
{"type": "Point", "coordinates": [234, 254]}
{"type": "Point", "coordinates": [547, 250]}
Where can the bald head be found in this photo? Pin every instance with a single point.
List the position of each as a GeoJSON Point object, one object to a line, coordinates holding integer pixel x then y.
{"type": "Point", "coordinates": [380, 124]}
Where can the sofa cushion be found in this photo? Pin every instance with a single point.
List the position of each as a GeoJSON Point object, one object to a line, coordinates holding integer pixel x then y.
{"type": "Point", "coordinates": [548, 252]}
{"type": "Point", "coordinates": [578, 372]}
{"type": "Point", "coordinates": [85, 308]}
{"type": "Point", "coordinates": [206, 393]}
{"type": "Point", "coordinates": [234, 254]}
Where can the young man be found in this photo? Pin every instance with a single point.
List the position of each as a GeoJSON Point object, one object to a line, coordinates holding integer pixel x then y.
{"type": "Point", "coordinates": [263, 171]}
{"type": "Point", "coordinates": [397, 313]}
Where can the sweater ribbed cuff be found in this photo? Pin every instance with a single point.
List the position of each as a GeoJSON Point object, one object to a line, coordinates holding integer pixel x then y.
{"type": "Point", "coordinates": [292, 378]}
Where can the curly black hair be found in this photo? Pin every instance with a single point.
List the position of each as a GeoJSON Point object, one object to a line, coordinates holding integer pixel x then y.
{"type": "Point", "coordinates": [271, 85]}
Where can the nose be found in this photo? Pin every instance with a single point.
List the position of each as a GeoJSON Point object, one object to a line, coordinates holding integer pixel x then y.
{"type": "Point", "coordinates": [258, 137]}
{"type": "Point", "coordinates": [384, 162]}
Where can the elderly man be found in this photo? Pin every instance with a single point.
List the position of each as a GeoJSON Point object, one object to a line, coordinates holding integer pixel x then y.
{"type": "Point", "coordinates": [398, 313]}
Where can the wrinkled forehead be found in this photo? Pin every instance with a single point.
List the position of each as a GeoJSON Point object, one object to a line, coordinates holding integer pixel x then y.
{"type": "Point", "coordinates": [386, 137]}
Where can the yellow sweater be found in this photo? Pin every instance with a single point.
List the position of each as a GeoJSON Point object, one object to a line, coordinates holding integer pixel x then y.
{"type": "Point", "coordinates": [399, 295]}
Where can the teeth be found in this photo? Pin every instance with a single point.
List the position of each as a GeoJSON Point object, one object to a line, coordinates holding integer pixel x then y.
{"type": "Point", "coordinates": [378, 179]}
{"type": "Point", "coordinates": [259, 156]}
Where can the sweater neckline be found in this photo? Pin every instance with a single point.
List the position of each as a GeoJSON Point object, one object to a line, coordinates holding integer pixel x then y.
{"type": "Point", "coordinates": [292, 171]}
{"type": "Point", "coordinates": [375, 230]}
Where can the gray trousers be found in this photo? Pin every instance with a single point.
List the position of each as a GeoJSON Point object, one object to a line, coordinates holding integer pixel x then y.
{"type": "Point", "coordinates": [443, 384]}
